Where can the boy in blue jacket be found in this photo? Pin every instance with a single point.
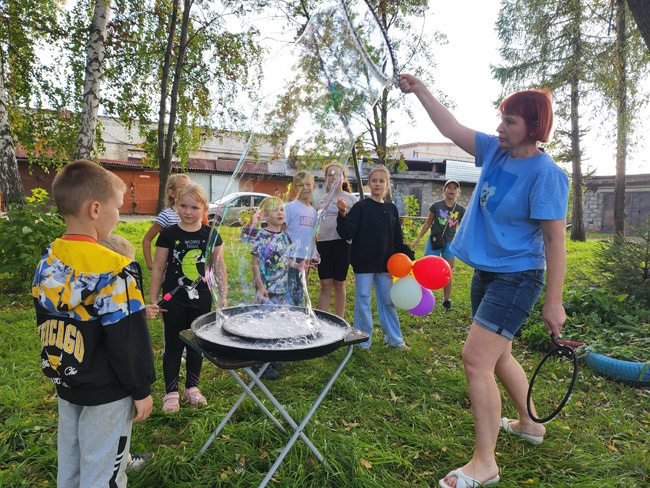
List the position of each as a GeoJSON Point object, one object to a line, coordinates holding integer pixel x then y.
{"type": "Point", "coordinates": [95, 341]}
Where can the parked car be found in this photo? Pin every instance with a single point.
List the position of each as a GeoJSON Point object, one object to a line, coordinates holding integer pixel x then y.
{"type": "Point", "coordinates": [227, 209]}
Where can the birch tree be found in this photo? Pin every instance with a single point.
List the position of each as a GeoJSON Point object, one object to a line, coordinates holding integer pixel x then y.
{"type": "Point", "coordinates": [86, 141]}
{"type": "Point", "coordinates": [10, 182]}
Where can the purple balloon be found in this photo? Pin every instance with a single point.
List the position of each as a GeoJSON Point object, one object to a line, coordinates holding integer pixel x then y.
{"type": "Point", "coordinates": [426, 303]}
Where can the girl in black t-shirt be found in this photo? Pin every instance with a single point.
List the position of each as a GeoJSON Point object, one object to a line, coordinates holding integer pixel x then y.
{"type": "Point", "coordinates": [444, 218]}
{"type": "Point", "coordinates": [180, 259]}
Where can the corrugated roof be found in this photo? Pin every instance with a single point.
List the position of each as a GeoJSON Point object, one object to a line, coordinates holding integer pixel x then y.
{"type": "Point", "coordinates": [199, 165]}
{"type": "Point", "coordinates": [462, 171]}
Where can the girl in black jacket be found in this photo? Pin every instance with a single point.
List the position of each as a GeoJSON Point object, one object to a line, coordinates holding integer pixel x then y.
{"type": "Point", "coordinates": [376, 233]}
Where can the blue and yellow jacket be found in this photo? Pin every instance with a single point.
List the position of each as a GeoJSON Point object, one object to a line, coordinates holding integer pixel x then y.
{"type": "Point", "coordinates": [92, 323]}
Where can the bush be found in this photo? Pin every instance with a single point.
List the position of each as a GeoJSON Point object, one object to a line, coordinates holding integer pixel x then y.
{"type": "Point", "coordinates": [411, 226]}
{"type": "Point", "coordinates": [24, 235]}
{"type": "Point", "coordinates": [615, 325]}
{"type": "Point", "coordinates": [622, 265]}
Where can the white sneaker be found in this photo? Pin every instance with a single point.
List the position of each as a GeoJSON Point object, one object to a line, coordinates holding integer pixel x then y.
{"type": "Point", "coordinates": [136, 461]}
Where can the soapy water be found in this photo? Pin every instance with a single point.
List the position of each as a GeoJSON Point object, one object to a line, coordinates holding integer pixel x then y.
{"type": "Point", "coordinates": [278, 325]}
{"type": "Point", "coordinates": [277, 329]}
{"type": "Point", "coordinates": [340, 66]}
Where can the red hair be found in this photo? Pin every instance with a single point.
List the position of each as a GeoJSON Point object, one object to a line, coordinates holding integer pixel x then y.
{"type": "Point", "coordinates": [535, 108]}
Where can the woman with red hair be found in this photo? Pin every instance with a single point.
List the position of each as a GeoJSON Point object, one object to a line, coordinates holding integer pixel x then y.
{"type": "Point", "coordinates": [514, 229]}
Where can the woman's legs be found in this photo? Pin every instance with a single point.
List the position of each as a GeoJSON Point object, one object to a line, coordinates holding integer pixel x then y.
{"type": "Point", "coordinates": [481, 352]}
{"type": "Point", "coordinates": [325, 295]}
{"type": "Point", "coordinates": [501, 302]}
{"type": "Point", "coordinates": [514, 380]}
{"type": "Point", "coordinates": [388, 319]}
{"type": "Point", "coordinates": [339, 297]}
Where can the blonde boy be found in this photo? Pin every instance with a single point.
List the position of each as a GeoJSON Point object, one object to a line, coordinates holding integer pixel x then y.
{"type": "Point", "coordinates": [271, 252]}
{"type": "Point", "coordinates": [95, 341]}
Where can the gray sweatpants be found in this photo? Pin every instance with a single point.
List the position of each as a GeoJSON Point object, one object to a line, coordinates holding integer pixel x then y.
{"type": "Point", "coordinates": [93, 444]}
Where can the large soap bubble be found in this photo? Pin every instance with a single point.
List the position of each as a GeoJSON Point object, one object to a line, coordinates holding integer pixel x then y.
{"type": "Point", "coordinates": [339, 68]}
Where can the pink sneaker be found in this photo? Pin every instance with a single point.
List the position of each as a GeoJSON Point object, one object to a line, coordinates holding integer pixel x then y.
{"type": "Point", "coordinates": [193, 395]}
{"type": "Point", "coordinates": [170, 402]}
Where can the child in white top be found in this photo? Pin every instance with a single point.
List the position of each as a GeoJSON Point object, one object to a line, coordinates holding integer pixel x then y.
{"type": "Point", "coordinates": [300, 220]}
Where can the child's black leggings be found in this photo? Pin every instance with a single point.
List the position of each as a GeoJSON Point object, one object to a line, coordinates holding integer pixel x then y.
{"type": "Point", "coordinates": [176, 319]}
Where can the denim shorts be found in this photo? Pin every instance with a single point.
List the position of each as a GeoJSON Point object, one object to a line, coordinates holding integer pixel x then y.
{"type": "Point", "coordinates": [444, 252]}
{"type": "Point", "coordinates": [501, 302]}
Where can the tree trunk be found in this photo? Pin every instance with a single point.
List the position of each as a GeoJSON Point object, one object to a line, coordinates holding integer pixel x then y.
{"type": "Point", "coordinates": [641, 12]}
{"type": "Point", "coordinates": [621, 120]}
{"type": "Point", "coordinates": [10, 183]}
{"type": "Point", "coordinates": [578, 225]}
{"type": "Point", "coordinates": [178, 73]}
{"type": "Point", "coordinates": [86, 140]}
{"type": "Point", "coordinates": [164, 169]}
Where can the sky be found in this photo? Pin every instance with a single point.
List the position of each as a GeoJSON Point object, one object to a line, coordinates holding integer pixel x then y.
{"type": "Point", "coordinates": [463, 73]}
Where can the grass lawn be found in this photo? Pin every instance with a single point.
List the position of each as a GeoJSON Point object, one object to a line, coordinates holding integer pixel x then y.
{"type": "Point", "coordinates": [392, 419]}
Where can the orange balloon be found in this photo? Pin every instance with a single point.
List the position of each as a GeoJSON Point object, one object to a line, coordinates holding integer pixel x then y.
{"type": "Point", "coordinates": [399, 265]}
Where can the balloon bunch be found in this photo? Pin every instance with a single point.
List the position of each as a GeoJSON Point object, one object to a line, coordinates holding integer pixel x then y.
{"type": "Point", "coordinates": [414, 281]}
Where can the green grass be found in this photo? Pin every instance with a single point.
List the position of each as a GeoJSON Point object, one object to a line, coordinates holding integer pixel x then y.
{"type": "Point", "coordinates": [392, 419]}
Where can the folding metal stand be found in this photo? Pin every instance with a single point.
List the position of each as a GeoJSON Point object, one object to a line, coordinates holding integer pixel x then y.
{"type": "Point", "coordinates": [231, 364]}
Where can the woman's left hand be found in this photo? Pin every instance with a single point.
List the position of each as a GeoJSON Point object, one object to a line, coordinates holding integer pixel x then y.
{"type": "Point", "coordinates": [554, 316]}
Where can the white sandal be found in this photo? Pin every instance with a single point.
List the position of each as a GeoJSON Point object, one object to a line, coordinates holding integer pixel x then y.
{"type": "Point", "coordinates": [464, 481]}
{"type": "Point", "coordinates": [535, 439]}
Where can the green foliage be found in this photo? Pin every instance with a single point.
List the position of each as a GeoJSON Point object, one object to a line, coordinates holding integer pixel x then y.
{"type": "Point", "coordinates": [615, 325]}
{"type": "Point", "coordinates": [371, 124]}
{"type": "Point", "coordinates": [37, 102]}
{"type": "Point", "coordinates": [218, 66]}
{"type": "Point", "coordinates": [411, 226]}
{"type": "Point", "coordinates": [24, 235]}
{"type": "Point", "coordinates": [622, 265]}
{"type": "Point", "coordinates": [611, 319]}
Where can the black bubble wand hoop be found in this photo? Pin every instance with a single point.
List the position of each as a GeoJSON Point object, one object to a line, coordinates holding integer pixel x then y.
{"type": "Point", "coordinates": [552, 383]}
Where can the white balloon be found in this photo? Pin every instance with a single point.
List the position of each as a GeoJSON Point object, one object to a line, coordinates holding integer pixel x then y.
{"type": "Point", "coordinates": [406, 293]}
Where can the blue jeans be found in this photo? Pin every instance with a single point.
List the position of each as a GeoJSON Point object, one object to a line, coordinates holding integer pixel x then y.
{"type": "Point", "coordinates": [444, 252]}
{"type": "Point", "coordinates": [388, 319]}
{"type": "Point", "coordinates": [501, 302]}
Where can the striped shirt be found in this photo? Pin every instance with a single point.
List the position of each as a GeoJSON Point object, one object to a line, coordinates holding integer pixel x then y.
{"type": "Point", "coordinates": [167, 217]}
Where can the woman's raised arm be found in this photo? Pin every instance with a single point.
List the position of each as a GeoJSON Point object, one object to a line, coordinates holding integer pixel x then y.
{"type": "Point", "coordinates": [443, 119]}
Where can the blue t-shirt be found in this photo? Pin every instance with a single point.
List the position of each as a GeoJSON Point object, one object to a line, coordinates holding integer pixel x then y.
{"type": "Point", "coordinates": [501, 230]}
